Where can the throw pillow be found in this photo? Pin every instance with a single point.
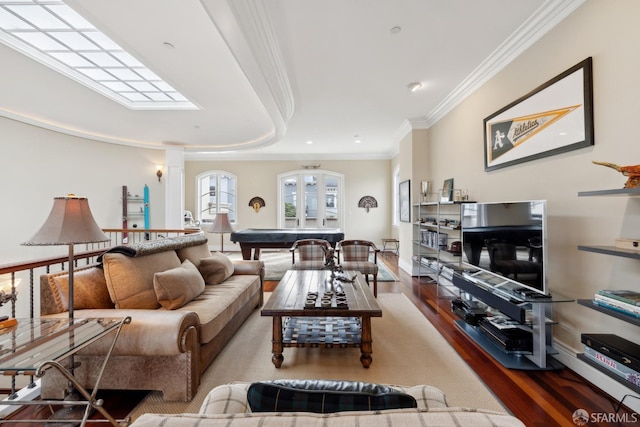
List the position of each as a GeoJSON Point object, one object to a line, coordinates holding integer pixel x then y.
{"type": "Point", "coordinates": [130, 279]}
{"type": "Point", "coordinates": [324, 396]}
{"type": "Point", "coordinates": [176, 287]}
{"type": "Point", "coordinates": [89, 288]}
{"type": "Point", "coordinates": [216, 269]}
{"type": "Point", "coordinates": [194, 253]}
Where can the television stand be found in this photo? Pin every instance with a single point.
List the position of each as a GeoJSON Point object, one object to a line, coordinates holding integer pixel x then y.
{"type": "Point", "coordinates": [529, 314]}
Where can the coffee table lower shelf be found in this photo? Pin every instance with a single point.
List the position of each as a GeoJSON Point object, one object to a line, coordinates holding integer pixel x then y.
{"type": "Point", "coordinates": [328, 332]}
{"type": "Point", "coordinates": [295, 325]}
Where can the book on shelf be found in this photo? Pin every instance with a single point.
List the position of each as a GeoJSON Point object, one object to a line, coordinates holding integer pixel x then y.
{"type": "Point", "coordinates": [615, 347]}
{"type": "Point", "coordinates": [612, 365]}
{"type": "Point", "coordinates": [617, 305]}
{"type": "Point", "coordinates": [627, 296]}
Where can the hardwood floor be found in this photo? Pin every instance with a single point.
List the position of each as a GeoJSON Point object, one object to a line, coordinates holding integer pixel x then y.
{"type": "Point", "coordinates": [546, 398]}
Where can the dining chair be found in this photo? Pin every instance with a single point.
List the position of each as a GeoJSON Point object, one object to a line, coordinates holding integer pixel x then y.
{"type": "Point", "coordinates": [311, 254]}
{"type": "Point", "coordinates": [355, 255]}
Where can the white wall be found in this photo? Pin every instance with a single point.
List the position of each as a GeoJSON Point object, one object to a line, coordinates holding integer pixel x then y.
{"type": "Point", "coordinates": [259, 178]}
{"type": "Point", "coordinates": [37, 165]}
{"type": "Point", "coordinates": [608, 32]}
{"type": "Point", "coordinates": [413, 161]}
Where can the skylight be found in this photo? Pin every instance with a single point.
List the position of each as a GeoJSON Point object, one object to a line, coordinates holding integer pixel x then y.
{"type": "Point", "coordinates": [52, 33]}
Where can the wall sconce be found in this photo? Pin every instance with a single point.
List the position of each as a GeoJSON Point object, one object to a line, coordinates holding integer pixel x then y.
{"type": "Point", "coordinates": [159, 172]}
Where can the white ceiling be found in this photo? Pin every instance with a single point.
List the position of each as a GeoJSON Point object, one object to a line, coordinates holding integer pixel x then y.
{"type": "Point", "coordinates": [270, 75]}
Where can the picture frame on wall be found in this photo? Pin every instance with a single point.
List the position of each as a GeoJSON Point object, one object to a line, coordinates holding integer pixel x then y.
{"type": "Point", "coordinates": [447, 191]}
{"type": "Point", "coordinates": [554, 118]}
{"type": "Point", "coordinates": [404, 202]}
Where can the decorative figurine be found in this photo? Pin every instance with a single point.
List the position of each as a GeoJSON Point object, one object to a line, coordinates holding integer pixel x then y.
{"type": "Point", "coordinates": [256, 203]}
{"type": "Point", "coordinates": [330, 262]}
{"type": "Point", "coordinates": [632, 172]}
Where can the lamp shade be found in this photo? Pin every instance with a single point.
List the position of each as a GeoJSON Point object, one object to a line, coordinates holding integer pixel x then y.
{"type": "Point", "coordinates": [221, 224]}
{"type": "Point", "coordinates": [70, 221]}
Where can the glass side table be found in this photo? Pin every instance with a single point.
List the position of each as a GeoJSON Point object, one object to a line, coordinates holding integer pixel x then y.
{"type": "Point", "coordinates": [35, 345]}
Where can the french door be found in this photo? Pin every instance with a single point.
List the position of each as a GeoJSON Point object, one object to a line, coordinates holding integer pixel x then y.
{"type": "Point", "coordinates": [310, 199]}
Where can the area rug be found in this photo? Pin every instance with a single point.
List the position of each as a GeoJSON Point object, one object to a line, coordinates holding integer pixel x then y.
{"type": "Point", "coordinates": [276, 263]}
{"type": "Point", "coordinates": [407, 350]}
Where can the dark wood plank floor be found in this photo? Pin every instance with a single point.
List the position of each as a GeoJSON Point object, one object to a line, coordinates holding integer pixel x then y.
{"type": "Point", "coordinates": [539, 399]}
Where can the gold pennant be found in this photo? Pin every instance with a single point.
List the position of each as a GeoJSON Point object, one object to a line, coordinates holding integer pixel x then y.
{"type": "Point", "coordinates": [523, 128]}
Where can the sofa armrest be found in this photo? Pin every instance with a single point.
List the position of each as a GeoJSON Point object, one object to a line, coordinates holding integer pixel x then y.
{"type": "Point", "coordinates": [245, 266]}
{"type": "Point", "coordinates": [227, 399]}
{"type": "Point", "coordinates": [251, 267]}
{"type": "Point", "coordinates": [150, 333]}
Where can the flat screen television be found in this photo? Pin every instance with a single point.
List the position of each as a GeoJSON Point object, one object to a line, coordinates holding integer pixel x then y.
{"type": "Point", "coordinates": [507, 239]}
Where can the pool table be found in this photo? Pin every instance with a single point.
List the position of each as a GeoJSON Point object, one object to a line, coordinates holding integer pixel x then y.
{"type": "Point", "coordinates": [257, 238]}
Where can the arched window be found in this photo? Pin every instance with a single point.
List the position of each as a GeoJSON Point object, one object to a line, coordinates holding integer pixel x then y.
{"type": "Point", "coordinates": [216, 192]}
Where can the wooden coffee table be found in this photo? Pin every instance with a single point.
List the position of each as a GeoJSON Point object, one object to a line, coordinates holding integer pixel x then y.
{"type": "Point", "coordinates": [337, 326]}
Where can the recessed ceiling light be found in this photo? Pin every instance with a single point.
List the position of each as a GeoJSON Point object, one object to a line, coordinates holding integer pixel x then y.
{"type": "Point", "coordinates": [357, 141]}
{"type": "Point", "coordinates": [414, 86]}
{"type": "Point", "coordinates": [309, 142]}
{"type": "Point", "coordinates": [395, 30]}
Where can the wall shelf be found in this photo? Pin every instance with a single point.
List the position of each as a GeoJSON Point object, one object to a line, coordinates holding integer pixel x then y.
{"type": "Point", "coordinates": [613, 313]}
{"type": "Point", "coordinates": [611, 250]}
{"type": "Point", "coordinates": [608, 373]}
{"type": "Point", "coordinates": [615, 251]}
{"type": "Point", "coordinates": [629, 192]}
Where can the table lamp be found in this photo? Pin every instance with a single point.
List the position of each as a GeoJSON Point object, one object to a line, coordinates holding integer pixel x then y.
{"type": "Point", "coordinates": [69, 223]}
{"type": "Point", "coordinates": [221, 225]}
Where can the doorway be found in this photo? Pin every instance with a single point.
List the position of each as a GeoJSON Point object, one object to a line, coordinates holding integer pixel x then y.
{"type": "Point", "coordinates": [310, 199]}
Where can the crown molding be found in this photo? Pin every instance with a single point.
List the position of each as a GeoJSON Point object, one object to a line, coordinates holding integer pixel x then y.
{"type": "Point", "coordinates": [246, 28]}
{"type": "Point", "coordinates": [550, 14]}
{"type": "Point", "coordinates": [255, 23]}
{"type": "Point", "coordinates": [253, 156]}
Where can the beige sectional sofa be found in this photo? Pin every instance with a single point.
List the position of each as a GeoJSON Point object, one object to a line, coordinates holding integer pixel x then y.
{"type": "Point", "coordinates": [185, 304]}
{"type": "Point", "coordinates": [227, 406]}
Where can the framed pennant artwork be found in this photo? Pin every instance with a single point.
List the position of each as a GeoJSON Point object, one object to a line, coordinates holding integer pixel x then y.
{"type": "Point", "coordinates": [554, 118]}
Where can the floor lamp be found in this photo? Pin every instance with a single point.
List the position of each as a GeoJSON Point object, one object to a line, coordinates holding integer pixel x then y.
{"type": "Point", "coordinates": [69, 223]}
{"type": "Point", "coordinates": [221, 225]}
